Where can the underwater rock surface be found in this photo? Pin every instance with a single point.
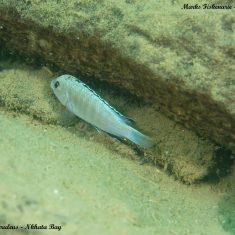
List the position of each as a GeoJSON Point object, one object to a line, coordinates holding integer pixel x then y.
{"type": "Point", "coordinates": [181, 60]}
{"type": "Point", "coordinates": [179, 151]}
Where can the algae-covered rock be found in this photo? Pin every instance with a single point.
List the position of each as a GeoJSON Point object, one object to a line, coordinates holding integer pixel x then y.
{"type": "Point", "coordinates": [178, 150]}
{"type": "Point", "coordinates": [179, 59]}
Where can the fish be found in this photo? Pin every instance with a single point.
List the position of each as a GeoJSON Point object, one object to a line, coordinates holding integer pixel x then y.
{"type": "Point", "coordinates": [86, 104]}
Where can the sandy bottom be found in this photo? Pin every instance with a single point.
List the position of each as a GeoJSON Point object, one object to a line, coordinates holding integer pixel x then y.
{"type": "Point", "coordinates": [50, 175]}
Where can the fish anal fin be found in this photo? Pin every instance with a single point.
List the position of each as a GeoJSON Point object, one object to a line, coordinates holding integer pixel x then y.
{"type": "Point", "coordinates": [121, 139]}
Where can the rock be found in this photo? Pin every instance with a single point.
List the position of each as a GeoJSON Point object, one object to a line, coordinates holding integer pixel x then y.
{"type": "Point", "coordinates": [181, 60]}
{"type": "Point", "coordinates": [178, 150]}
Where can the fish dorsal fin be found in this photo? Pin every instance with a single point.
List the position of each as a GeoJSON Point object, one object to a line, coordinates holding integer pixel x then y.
{"type": "Point", "coordinates": [125, 119]}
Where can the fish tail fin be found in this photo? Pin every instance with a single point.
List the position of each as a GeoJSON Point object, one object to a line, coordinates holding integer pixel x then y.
{"type": "Point", "coordinates": [139, 138]}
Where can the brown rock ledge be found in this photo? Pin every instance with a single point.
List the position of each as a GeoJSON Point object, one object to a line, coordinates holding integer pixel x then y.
{"type": "Point", "coordinates": [180, 60]}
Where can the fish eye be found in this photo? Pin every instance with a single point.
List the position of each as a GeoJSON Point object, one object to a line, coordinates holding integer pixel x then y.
{"type": "Point", "coordinates": [57, 84]}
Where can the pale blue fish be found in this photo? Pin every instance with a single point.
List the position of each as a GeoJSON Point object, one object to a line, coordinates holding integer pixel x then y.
{"type": "Point", "coordinates": [89, 106]}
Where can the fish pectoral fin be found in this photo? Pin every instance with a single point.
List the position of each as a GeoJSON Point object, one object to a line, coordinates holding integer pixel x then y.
{"type": "Point", "coordinates": [69, 107]}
